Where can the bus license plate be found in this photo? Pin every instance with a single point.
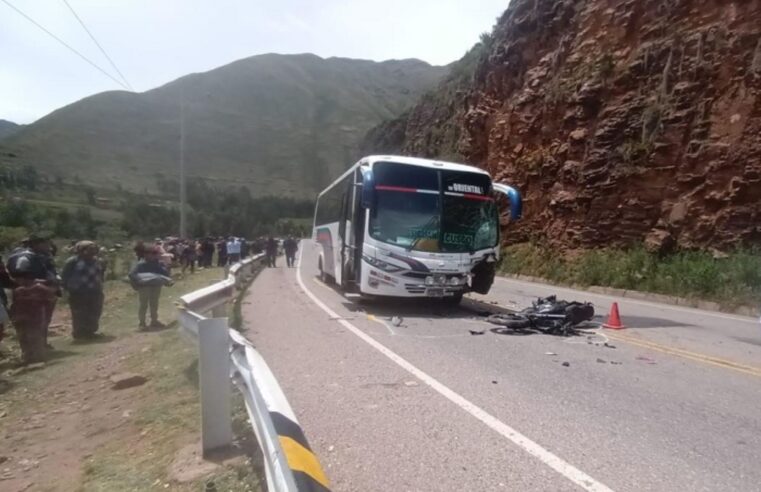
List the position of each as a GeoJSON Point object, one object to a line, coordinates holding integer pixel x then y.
{"type": "Point", "coordinates": [435, 292]}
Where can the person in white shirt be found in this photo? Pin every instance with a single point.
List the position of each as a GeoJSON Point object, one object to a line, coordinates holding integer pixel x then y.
{"type": "Point", "coordinates": [233, 250]}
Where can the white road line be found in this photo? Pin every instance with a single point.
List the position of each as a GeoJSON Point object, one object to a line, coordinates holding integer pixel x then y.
{"type": "Point", "coordinates": [548, 458]}
{"type": "Point", "coordinates": [629, 300]}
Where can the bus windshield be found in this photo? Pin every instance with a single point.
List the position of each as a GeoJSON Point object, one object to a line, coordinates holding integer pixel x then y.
{"type": "Point", "coordinates": [426, 209]}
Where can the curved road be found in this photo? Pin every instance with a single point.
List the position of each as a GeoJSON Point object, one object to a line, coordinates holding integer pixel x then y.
{"type": "Point", "coordinates": [670, 403]}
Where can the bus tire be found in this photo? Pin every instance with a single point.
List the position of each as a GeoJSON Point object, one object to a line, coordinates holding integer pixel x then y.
{"type": "Point", "coordinates": [323, 275]}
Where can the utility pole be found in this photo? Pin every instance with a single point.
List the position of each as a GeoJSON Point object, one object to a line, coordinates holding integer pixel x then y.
{"type": "Point", "coordinates": [183, 197]}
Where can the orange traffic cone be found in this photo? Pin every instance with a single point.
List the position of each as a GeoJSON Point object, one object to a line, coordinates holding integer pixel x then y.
{"type": "Point", "coordinates": [614, 319]}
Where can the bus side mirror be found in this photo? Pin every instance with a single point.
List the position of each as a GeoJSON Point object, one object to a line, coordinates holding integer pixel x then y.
{"type": "Point", "coordinates": [514, 197]}
{"type": "Point", "coordinates": [368, 189]}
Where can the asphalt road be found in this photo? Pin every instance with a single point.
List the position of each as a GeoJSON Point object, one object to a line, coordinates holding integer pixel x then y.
{"type": "Point", "coordinates": [427, 406]}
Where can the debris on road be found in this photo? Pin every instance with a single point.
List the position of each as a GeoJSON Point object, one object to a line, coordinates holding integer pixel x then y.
{"type": "Point", "coordinates": [601, 361]}
{"type": "Point", "coordinates": [606, 344]}
{"type": "Point", "coordinates": [550, 353]}
{"type": "Point", "coordinates": [477, 332]}
{"type": "Point", "coordinates": [566, 364]}
{"type": "Point", "coordinates": [397, 320]}
{"type": "Point", "coordinates": [646, 359]}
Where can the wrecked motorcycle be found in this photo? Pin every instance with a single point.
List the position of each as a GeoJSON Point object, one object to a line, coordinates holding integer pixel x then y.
{"type": "Point", "coordinates": [548, 315]}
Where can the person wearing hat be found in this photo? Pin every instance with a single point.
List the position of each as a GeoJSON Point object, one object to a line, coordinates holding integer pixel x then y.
{"type": "Point", "coordinates": [34, 262]}
{"type": "Point", "coordinates": [82, 278]}
{"type": "Point", "coordinates": [147, 278]}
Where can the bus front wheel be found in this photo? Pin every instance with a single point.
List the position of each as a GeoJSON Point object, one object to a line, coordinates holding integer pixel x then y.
{"type": "Point", "coordinates": [323, 276]}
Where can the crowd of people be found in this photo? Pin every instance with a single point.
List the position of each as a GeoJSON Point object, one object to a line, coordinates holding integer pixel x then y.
{"type": "Point", "coordinates": [30, 274]}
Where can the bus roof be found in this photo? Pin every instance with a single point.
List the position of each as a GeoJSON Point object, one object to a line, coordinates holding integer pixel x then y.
{"type": "Point", "coordinates": [413, 161]}
{"type": "Point", "coordinates": [417, 161]}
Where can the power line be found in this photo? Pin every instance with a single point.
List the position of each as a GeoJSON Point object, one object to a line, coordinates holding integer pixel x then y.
{"type": "Point", "coordinates": [66, 45]}
{"type": "Point", "coordinates": [81, 23]}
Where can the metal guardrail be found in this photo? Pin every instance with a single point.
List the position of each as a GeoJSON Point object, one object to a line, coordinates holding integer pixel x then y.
{"type": "Point", "coordinates": [225, 356]}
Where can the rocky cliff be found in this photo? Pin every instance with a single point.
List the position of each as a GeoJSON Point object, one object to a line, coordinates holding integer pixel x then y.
{"type": "Point", "coordinates": [620, 120]}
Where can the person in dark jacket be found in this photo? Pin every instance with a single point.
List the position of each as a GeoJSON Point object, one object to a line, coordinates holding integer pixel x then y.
{"type": "Point", "coordinates": [188, 257]}
{"type": "Point", "coordinates": [34, 264]}
{"type": "Point", "coordinates": [290, 246]}
{"type": "Point", "coordinates": [243, 248]}
{"type": "Point", "coordinates": [149, 290]}
{"type": "Point", "coordinates": [271, 249]}
{"type": "Point", "coordinates": [222, 253]}
{"type": "Point", "coordinates": [34, 297]}
{"type": "Point", "coordinates": [82, 278]}
{"type": "Point", "coordinates": [207, 252]}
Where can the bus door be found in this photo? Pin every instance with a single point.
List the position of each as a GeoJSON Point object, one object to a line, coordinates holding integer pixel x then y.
{"type": "Point", "coordinates": [352, 227]}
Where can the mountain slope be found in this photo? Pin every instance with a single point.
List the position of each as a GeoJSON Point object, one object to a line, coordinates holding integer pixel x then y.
{"type": "Point", "coordinates": [8, 128]}
{"type": "Point", "coordinates": [620, 121]}
{"type": "Point", "coordinates": [278, 124]}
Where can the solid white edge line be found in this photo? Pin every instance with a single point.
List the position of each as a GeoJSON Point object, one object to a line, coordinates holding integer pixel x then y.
{"type": "Point", "coordinates": [683, 309]}
{"type": "Point", "coordinates": [548, 458]}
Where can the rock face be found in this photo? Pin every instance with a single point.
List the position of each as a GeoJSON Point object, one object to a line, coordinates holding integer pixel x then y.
{"type": "Point", "coordinates": [622, 121]}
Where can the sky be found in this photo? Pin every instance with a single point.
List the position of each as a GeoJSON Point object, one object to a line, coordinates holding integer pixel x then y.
{"type": "Point", "coordinates": [155, 41]}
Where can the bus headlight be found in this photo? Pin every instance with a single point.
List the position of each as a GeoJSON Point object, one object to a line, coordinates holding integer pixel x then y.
{"type": "Point", "coordinates": [455, 281]}
{"type": "Point", "coordinates": [382, 265]}
{"type": "Point", "coordinates": [440, 279]}
{"type": "Point", "coordinates": [429, 280]}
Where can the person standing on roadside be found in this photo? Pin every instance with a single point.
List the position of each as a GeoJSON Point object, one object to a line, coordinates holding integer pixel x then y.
{"type": "Point", "coordinates": [34, 261]}
{"type": "Point", "coordinates": [271, 249]}
{"type": "Point", "coordinates": [290, 246]}
{"type": "Point", "coordinates": [188, 257]}
{"type": "Point", "coordinates": [6, 282]}
{"type": "Point", "coordinates": [34, 297]}
{"type": "Point", "coordinates": [82, 278]}
{"type": "Point", "coordinates": [207, 248]}
{"type": "Point", "coordinates": [233, 250]}
{"type": "Point", "coordinates": [147, 277]}
{"type": "Point", "coordinates": [243, 248]}
{"type": "Point", "coordinates": [221, 252]}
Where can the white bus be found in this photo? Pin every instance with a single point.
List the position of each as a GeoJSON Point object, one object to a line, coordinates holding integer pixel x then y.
{"type": "Point", "coordinates": [408, 227]}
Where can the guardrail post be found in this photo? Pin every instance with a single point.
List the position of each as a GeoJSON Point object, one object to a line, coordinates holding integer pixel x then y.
{"type": "Point", "coordinates": [214, 381]}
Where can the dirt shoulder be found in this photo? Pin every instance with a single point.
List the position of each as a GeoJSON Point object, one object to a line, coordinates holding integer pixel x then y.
{"type": "Point", "coordinates": [121, 413]}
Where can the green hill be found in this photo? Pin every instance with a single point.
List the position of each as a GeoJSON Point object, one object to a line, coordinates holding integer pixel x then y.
{"type": "Point", "coordinates": [277, 124]}
{"type": "Point", "coordinates": [8, 128]}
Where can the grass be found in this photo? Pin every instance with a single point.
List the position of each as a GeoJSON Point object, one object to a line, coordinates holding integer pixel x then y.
{"type": "Point", "coordinates": [731, 281]}
{"type": "Point", "coordinates": [165, 412]}
{"type": "Point", "coordinates": [170, 417]}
